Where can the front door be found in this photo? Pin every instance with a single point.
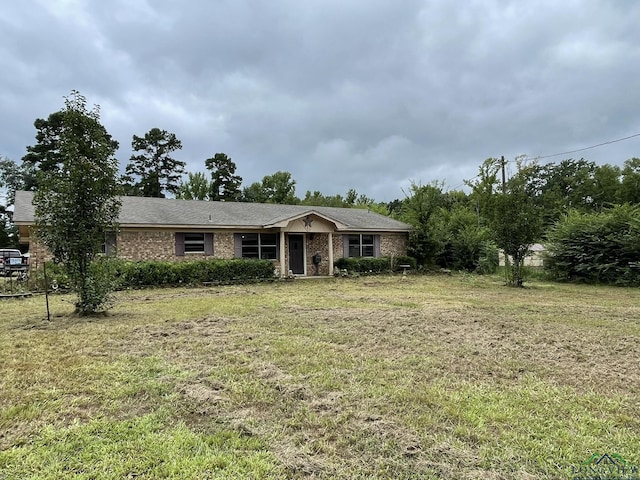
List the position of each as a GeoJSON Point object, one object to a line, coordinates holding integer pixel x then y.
{"type": "Point", "coordinates": [296, 254]}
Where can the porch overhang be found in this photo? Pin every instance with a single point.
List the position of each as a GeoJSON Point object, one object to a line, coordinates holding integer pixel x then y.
{"type": "Point", "coordinates": [308, 222]}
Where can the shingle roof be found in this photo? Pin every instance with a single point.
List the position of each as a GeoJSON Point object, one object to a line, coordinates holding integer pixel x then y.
{"type": "Point", "coordinates": [145, 211]}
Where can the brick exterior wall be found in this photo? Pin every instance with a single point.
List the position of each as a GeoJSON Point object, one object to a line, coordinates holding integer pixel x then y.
{"type": "Point", "coordinates": [141, 245]}
{"type": "Point", "coordinates": [223, 245]}
{"type": "Point", "coordinates": [390, 244]}
{"type": "Point", "coordinates": [38, 254]}
{"type": "Point", "coordinates": [394, 244]}
{"type": "Point", "coordinates": [146, 245]}
{"type": "Point", "coordinates": [319, 244]}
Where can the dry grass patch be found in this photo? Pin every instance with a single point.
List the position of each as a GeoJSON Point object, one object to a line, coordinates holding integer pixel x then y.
{"type": "Point", "coordinates": [429, 377]}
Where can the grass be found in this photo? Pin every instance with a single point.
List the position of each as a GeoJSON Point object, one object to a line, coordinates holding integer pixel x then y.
{"type": "Point", "coordinates": [425, 378]}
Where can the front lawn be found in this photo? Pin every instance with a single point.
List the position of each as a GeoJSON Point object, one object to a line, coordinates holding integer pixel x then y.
{"type": "Point", "coordinates": [429, 377]}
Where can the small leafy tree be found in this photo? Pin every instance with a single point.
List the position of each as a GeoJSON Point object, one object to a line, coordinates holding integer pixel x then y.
{"type": "Point", "coordinates": [156, 170]}
{"type": "Point", "coordinates": [225, 184]}
{"type": "Point", "coordinates": [76, 203]}
{"type": "Point", "coordinates": [516, 223]}
{"type": "Point", "coordinates": [509, 210]}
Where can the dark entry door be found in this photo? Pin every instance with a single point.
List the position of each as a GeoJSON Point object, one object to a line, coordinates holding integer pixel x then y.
{"type": "Point", "coordinates": [296, 254]}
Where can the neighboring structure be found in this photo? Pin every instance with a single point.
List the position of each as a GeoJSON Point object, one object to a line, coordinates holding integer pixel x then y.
{"type": "Point", "coordinates": [301, 240]}
{"type": "Point", "coordinates": [534, 258]}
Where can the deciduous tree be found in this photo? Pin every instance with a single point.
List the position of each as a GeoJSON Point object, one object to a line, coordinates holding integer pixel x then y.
{"type": "Point", "coordinates": [418, 210]}
{"type": "Point", "coordinates": [516, 223]}
{"type": "Point", "coordinates": [196, 187]}
{"type": "Point", "coordinates": [10, 180]}
{"type": "Point", "coordinates": [630, 183]}
{"type": "Point", "coordinates": [76, 202]}
{"type": "Point", "coordinates": [277, 188]}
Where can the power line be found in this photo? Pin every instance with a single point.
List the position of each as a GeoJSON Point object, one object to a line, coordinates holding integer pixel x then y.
{"type": "Point", "coordinates": [587, 148]}
{"type": "Point", "coordinates": [539, 157]}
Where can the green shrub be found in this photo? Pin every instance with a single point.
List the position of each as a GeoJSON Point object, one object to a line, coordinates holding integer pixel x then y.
{"type": "Point", "coordinates": [599, 247]}
{"type": "Point", "coordinates": [404, 260]}
{"type": "Point", "coordinates": [56, 277]}
{"type": "Point", "coordinates": [488, 260]}
{"type": "Point", "coordinates": [159, 273]}
{"type": "Point", "coordinates": [373, 265]}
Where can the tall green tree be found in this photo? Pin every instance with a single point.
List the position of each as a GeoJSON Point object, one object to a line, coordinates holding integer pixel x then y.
{"type": "Point", "coordinates": [45, 155]}
{"type": "Point", "coordinates": [11, 179]}
{"type": "Point", "coordinates": [196, 187]}
{"type": "Point", "coordinates": [629, 191]}
{"type": "Point", "coordinates": [606, 187]}
{"type": "Point", "coordinates": [156, 171]}
{"type": "Point", "coordinates": [568, 184]}
{"type": "Point", "coordinates": [571, 184]}
{"type": "Point", "coordinates": [8, 234]}
{"type": "Point", "coordinates": [466, 242]}
{"type": "Point", "coordinates": [276, 188]}
{"type": "Point", "coordinates": [76, 203]}
{"type": "Point", "coordinates": [15, 177]}
{"type": "Point", "coordinates": [446, 230]}
{"type": "Point", "coordinates": [254, 193]}
{"type": "Point", "coordinates": [280, 188]}
{"type": "Point", "coordinates": [225, 184]}
{"type": "Point", "coordinates": [418, 210]}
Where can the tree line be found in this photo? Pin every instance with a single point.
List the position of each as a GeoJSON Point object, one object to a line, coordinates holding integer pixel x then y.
{"type": "Point", "coordinates": [452, 229]}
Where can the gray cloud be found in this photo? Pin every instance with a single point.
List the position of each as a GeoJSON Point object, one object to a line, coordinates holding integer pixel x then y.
{"type": "Point", "coordinates": [361, 94]}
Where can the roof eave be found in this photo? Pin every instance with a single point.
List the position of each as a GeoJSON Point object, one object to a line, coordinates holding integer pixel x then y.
{"type": "Point", "coordinates": [286, 221]}
{"type": "Point", "coordinates": [189, 226]}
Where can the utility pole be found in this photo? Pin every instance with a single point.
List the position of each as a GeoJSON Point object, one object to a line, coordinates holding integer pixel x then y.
{"type": "Point", "coordinates": [504, 191]}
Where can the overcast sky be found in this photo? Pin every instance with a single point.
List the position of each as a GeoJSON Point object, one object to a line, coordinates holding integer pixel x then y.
{"type": "Point", "coordinates": [364, 94]}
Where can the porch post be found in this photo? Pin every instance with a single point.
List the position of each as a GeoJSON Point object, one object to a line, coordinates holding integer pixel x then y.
{"type": "Point", "coordinates": [284, 265]}
{"type": "Point", "coordinates": [330, 253]}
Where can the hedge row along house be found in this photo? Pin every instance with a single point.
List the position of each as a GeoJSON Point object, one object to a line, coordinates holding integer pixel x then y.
{"type": "Point", "coordinates": [300, 240]}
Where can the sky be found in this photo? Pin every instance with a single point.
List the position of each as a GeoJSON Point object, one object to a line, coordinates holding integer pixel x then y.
{"type": "Point", "coordinates": [371, 95]}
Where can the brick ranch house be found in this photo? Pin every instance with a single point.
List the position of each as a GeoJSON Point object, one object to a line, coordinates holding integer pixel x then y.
{"type": "Point", "coordinates": [293, 236]}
